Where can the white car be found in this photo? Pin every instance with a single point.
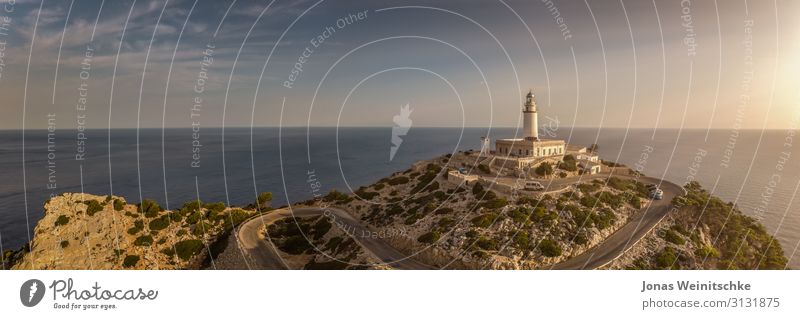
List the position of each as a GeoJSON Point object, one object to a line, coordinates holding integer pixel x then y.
{"type": "Point", "coordinates": [657, 193]}
{"type": "Point", "coordinates": [533, 186]}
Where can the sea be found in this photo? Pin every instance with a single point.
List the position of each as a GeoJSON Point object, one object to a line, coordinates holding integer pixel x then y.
{"type": "Point", "coordinates": [757, 170]}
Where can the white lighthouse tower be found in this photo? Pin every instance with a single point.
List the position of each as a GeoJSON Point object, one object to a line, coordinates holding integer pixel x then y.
{"type": "Point", "coordinates": [530, 122]}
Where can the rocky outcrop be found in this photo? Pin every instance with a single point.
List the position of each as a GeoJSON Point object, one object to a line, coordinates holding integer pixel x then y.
{"type": "Point", "coordinates": [83, 231]}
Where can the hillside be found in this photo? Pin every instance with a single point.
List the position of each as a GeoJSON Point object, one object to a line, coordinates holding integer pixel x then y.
{"type": "Point", "coordinates": [704, 232]}
{"type": "Point", "coordinates": [82, 231]}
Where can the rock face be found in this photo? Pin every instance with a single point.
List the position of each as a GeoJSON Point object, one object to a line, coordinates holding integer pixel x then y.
{"type": "Point", "coordinates": [83, 231]}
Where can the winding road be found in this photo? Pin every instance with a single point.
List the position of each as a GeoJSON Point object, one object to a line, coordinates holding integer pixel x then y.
{"type": "Point", "coordinates": [261, 254]}
{"type": "Point", "coordinates": [623, 239]}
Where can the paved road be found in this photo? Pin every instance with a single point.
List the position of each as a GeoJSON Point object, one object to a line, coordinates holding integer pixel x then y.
{"type": "Point", "coordinates": [638, 226]}
{"type": "Point", "coordinates": [263, 255]}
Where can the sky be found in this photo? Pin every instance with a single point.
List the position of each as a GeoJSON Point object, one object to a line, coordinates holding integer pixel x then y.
{"type": "Point", "coordinates": [186, 63]}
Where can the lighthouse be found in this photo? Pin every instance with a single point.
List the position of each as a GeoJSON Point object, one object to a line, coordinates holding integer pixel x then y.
{"type": "Point", "coordinates": [530, 122]}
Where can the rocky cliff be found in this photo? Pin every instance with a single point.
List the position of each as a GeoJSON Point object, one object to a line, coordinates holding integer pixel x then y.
{"type": "Point", "coordinates": [83, 231]}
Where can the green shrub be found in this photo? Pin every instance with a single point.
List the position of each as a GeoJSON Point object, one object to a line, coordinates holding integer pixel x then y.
{"type": "Point", "coordinates": [706, 251]}
{"type": "Point", "coordinates": [673, 237]}
{"type": "Point", "coordinates": [61, 220]}
{"type": "Point", "coordinates": [235, 217]}
{"type": "Point", "coordinates": [568, 165]}
{"type": "Point", "coordinates": [149, 208]}
{"type": "Point", "coordinates": [321, 228]}
{"type": "Point", "coordinates": [215, 207]}
{"type": "Point", "coordinates": [544, 169]}
{"type": "Point", "coordinates": [446, 223]}
{"type": "Point", "coordinates": [485, 169]}
{"type": "Point", "coordinates": [366, 195]}
{"type": "Point", "coordinates": [202, 228]}
{"type": "Point", "coordinates": [336, 196]}
{"type": "Point", "coordinates": [399, 180]}
{"type": "Point", "coordinates": [191, 206]}
{"type": "Point", "coordinates": [130, 261]}
{"type": "Point", "coordinates": [522, 240]}
{"type": "Point", "coordinates": [549, 248]}
{"type": "Point", "coordinates": [145, 240]}
{"type": "Point", "coordinates": [187, 248]}
{"type": "Point", "coordinates": [477, 189]}
{"type": "Point", "coordinates": [93, 206]}
{"type": "Point", "coordinates": [294, 245]}
{"type": "Point", "coordinates": [604, 219]}
{"type": "Point", "coordinates": [119, 205]}
{"type": "Point", "coordinates": [486, 243]}
{"type": "Point", "coordinates": [589, 201]}
{"type": "Point", "coordinates": [194, 218]}
{"type": "Point", "coordinates": [429, 238]}
{"type": "Point", "coordinates": [138, 226]}
{"type": "Point", "coordinates": [484, 220]}
{"type": "Point", "coordinates": [635, 201]}
{"type": "Point", "coordinates": [264, 199]}
{"type": "Point", "coordinates": [159, 223]}
{"type": "Point", "coordinates": [495, 203]}
{"type": "Point", "coordinates": [666, 259]}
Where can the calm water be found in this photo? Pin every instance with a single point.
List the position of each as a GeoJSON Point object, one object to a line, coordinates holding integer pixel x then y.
{"type": "Point", "coordinates": [280, 161]}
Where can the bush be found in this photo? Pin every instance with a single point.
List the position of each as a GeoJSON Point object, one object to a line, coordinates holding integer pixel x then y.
{"type": "Point", "coordinates": [429, 238]}
{"type": "Point", "coordinates": [202, 228]}
{"type": "Point", "coordinates": [191, 206]}
{"type": "Point", "coordinates": [215, 207]}
{"type": "Point", "coordinates": [159, 223]}
{"type": "Point", "coordinates": [194, 218]}
{"type": "Point", "coordinates": [399, 180]}
{"type": "Point", "coordinates": [137, 227]}
{"type": "Point", "coordinates": [187, 248]}
{"type": "Point", "coordinates": [366, 195]}
{"type": "Point", "coordinates": [61, 220]}
{"type": "Point", "coordinates": [486, 243]}
{"type": "Point", "coordinates": [495, 203]}
{"type": "Point", "coordinates": [235, 217]}
{"type": "Point", "coordinates": [477, 189]}
{"type": "Point", "coordinates": [544, 169]}
{"type": "Point", "coordinates": [264, 199]}
{"type": "Point", "coordinates": [522, 240]}
{"type": "Point", "coordinates": [484, 220]}
{"type": "Point", "coordinates": [119, 205]}
{"type": "Point", "coordinates": [321, 228]}
{"type": "Point", "coordinates": [149, 208]}
{"type": "Point", "coordinates": [549, 248]}
{"type": "Point", "coordinates": [485, 169]}
{"type": "Point", "coordinates": [130, 261]}
{"type": "Point", "coordinates": [294, 245]}
{"type": "Point", "coordinates": [64, 243]}
{"type": "Point", "coordinates": [635, 201]}
{"type": "Point", "coordinates": [336, 196]}
{"type": "Point", "coordinates": [93, 206]}
{"type": "Point", "coordinates": [568, 165]}
{"type": "Point", "coordinates": [145, 240]}
{"type": "Point", "coordinates": [673, 237]}
{"type": "Point", "coordinates": [666, 259]}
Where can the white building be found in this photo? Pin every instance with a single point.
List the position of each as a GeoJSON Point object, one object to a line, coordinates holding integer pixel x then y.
{"type": "Point", "coordinates": [529, 148]}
